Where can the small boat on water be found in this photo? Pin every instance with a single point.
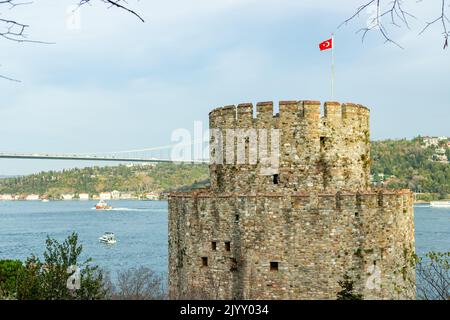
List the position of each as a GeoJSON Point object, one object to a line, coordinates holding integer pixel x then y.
{"type": "Point", "coordinates": [108, 238]}
{"type": "Point", "coordinates": [45, 200]}
{"type": "Point", "coordinates": [440, 204]}
{"type": "Point", "coordinates": [102, 205]}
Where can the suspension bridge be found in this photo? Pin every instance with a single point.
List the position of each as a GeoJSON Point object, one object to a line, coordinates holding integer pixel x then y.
{"type": "Point", "coordinates": [161, 154]}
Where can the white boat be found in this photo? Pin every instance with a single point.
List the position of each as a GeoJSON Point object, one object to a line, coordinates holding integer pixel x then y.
{"type": "Point", "coordinates": [108, 238]}
{"type": "Point", "coordinates": [440, 204]}
{"type": "Point", "coordinates": [45, 200]}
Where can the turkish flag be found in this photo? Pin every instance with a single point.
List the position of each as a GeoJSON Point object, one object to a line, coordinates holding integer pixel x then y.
{"type": "Point", "coordinates": [328, 44]}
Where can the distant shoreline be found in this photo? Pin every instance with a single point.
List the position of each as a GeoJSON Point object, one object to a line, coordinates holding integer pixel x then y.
{"type": "Point", "coordinates": [428, 202]}
{"type": "Point", "coordinates": [143, 200]}
{"type": "Point", "coordinates": [78, 200]}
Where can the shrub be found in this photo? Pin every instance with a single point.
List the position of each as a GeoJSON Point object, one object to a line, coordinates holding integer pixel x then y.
{"type": "Point", "coordinates": [51, 279]}
{"type": "Point", "coordinates": [9, 270]}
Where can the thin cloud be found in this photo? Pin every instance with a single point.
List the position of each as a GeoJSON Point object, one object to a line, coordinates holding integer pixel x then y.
{"type": "Point", "coordinates": [118, 83]}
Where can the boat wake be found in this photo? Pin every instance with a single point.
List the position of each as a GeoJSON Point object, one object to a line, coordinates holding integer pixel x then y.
{"type": "Point", "coordinates": [129, 209]}
{"type": "Point", "coordinates": [122, 209]}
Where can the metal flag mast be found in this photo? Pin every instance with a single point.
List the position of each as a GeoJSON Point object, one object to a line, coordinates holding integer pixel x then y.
{"type": "Point", "coordinates": [326, 45]}
{"type": "Point", "coordinates": [332, 66]}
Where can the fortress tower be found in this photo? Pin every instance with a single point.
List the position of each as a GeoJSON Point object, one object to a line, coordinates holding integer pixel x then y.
{"type": "Point", "coordinates": [290, 212]}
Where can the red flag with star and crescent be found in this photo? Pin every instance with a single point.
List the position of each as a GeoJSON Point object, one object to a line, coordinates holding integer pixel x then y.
{"type": "Point", "coordinates": [327, 44]}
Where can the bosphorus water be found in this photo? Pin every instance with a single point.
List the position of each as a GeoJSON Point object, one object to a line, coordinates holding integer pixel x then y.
{"type": "Point", "coordinates": [140, 228]}
{"type": "Point", "coordinates": [141, 231]}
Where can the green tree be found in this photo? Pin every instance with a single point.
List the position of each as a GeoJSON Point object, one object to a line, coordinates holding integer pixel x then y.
{"type": "Point", "coordinates": [347, 292]}
{"type": "Point", "coordinates": [137, 179]}
{"type": "Point", "coordinates": [410, 162]}
{"type": "Point", "coordinates": [50, 279]}
{"type": "Point", "coordinates": [9, 270]}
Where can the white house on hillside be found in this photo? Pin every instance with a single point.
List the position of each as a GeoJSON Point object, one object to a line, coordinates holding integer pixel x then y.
{"type": "Point", "coordinates": [126, 196]}
{"type": "Point", "coordinates": [115, 195]}
{"type": "Point", "coordinates": [83, 196]}
{"type": "Point", "coordinates": [67, 196]}
{"type": "Point", "coordinates": [431, 141]}
{"type": "Point", "coordinates": [105, 196]}
{"type": "Point", "coordinates": [32, 197]}
{"type": "Point", "coordinates": [152, 196]}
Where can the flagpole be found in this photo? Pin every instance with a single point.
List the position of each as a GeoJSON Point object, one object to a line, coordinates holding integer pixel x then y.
{"type": "Point", "coordinates": [332, 66]}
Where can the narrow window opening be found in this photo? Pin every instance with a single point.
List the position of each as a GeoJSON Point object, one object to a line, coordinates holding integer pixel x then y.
{"type": "Point", "coordinates": [236, 218]}
{"type": "Point", "coordinates": [273, 266]}
{"type": "Point", "coordinates": [323, 141]}
{"type": "Point", "coordinates": [380, 200]}
{"type": "Point", "coordinates": [204, 261]}
{"type": "Point", "coordinates": [357, 214]}
{"type": "Point", "coordinates": [234, 265]}
{"type": "Point", "coordinates": [214, 246]}
{"type": "Point", "coordinates": [276, 179]}
{"type": "Point", "coordinates": [227, 246]}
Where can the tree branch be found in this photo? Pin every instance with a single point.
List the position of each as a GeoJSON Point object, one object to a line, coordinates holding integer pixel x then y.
{"type": "Point", "coordinates": [117, 4]}
{"type": "Point", "coordinates": [392, 12]}
{"type": "Point", "coordinates": [13, 30]}
{"type": "Point", "coordinates": [443, 19]}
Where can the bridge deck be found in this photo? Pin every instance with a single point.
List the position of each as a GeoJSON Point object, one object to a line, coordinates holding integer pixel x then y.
{"type": "Point", "coordinates": [95, 158]}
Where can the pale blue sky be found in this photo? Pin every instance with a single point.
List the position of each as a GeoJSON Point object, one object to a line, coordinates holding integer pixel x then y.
{"type": "Point", "coordinates": [118, 84]}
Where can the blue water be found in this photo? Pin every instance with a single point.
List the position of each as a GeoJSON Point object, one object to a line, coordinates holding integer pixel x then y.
{"type": "Point", "coordinates": [432, 229]}
{"type": "Point", "coordinates": [141, 231]}
{"type": "Point", "coordinates": [140, 228]}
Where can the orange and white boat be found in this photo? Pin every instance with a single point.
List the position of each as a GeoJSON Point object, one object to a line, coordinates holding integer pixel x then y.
{"type": "Point", "coordinates": [102, 205]}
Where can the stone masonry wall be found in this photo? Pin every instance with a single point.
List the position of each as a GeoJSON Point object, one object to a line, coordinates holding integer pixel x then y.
{"type": "Point", "coordinates": [317, 153]}
{"type": "Point", "coordinates": [314, 240]}
{"type": "Point", "coordinates": [249, 238]}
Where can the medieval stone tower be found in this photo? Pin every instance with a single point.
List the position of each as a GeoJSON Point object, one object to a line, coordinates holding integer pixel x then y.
{"type": "Point", "coordinates": [296, 229]}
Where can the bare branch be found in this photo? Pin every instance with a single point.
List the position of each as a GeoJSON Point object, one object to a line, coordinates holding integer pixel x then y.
{"type": "Point", "coordinates": [444, 20]}
{"type": "Point", "coordinates": [392, 12]}
{"type": "Point", "coordinates": [117, 4]}
{"type": "Point", "coordinates": [10, 79]}
{"type": "Point", "coordinates": [13, 30]}
{"type": "Point", "coordinates": [13, 3]}
{"type": "Point", "coordinates": [433, 275]}
{"type": "Point", "coordinates": [358, 11]}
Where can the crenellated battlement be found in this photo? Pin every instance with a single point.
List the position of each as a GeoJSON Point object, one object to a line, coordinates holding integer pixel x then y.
{"type": "Point", "coordinates": [307, 109]}
{"type": "Point", "coordinates": [319, 147]}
